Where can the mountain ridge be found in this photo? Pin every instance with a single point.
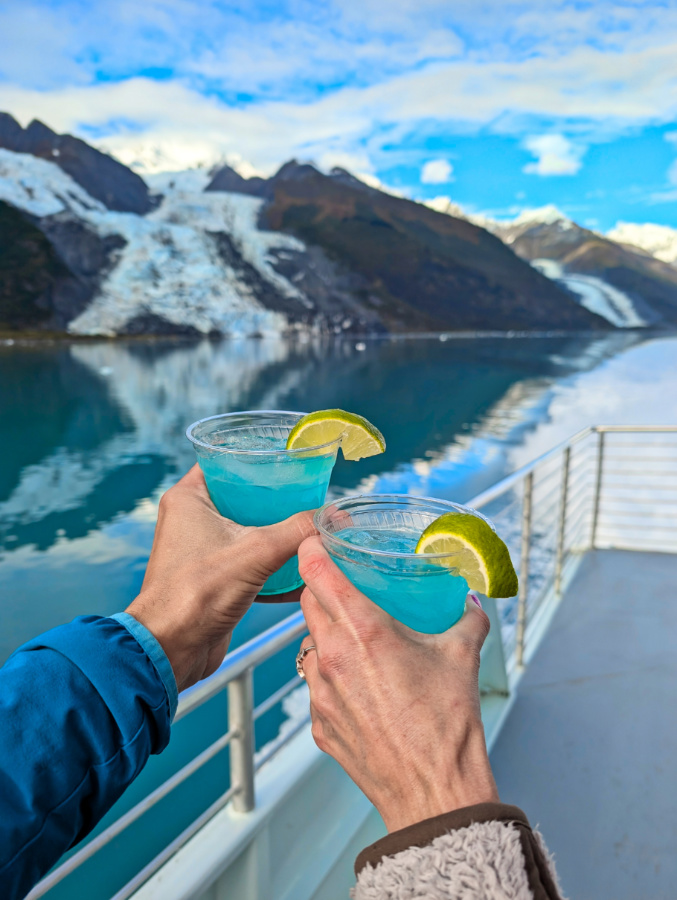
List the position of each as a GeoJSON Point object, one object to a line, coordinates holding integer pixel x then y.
{"type": "Point", "coordinates": [102, 176]}
{"type": "Point", "coordinates": [220, 253]}
{"type": "Point", "coordinates": [639, 287]}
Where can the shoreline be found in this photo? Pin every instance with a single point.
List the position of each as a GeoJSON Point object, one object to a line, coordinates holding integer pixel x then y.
{"type": "Point", "coordinates": [30, 338]}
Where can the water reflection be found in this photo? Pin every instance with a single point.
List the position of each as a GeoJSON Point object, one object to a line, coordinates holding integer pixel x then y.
{"type": "Point", "coordinates": [93, 433]}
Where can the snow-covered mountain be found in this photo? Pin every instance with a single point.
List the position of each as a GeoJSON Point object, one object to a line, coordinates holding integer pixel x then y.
{"type": "Point", "coordinates": [629, 286]}
{"type": "Point", "coordinates": [658, 240]}
{"type": "Point", "coordinates": [90, 248]}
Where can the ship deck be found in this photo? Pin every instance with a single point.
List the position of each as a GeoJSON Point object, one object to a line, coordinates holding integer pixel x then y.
{"type": "Point", "coordinates": [590, 746]}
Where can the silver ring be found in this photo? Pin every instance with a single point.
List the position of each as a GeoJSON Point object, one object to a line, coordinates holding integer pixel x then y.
{"type": "Point", "coordinates": [300, 656]}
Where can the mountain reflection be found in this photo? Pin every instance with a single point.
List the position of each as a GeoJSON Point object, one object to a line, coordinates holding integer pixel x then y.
{"type": "Point", "coordinates": [91, 430]}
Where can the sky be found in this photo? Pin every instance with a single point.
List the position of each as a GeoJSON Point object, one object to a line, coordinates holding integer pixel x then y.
{"type": "Point", "coordinates": [500, 105]}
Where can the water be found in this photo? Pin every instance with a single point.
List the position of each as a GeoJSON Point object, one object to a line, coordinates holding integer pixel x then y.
{"type": "Point", "coordinates": [256, 489]}
{"type": "Point", "coordinates": [92, 433]}
{"type": "Point", "coordinates": [427, 597]}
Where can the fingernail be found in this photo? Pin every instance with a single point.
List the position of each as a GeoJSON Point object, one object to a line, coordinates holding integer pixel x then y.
{"type": "Point", "coordinates": [477, 600]}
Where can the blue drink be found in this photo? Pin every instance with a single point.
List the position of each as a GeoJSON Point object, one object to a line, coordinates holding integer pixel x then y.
{"type": "Point", "coordinates": [254, 480]}
{"type": "Point", "coordinates": [372, 539]}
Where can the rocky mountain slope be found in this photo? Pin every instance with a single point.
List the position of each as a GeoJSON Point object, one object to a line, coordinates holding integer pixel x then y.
{"type": "Point", "coordinates": [626, 284]}
{"type": "Point", "coordinates": [89, 248]}
{"type": "Point", "coordinates": [417, 267]}
{"type": "Point", "coordinates": [103, 177]}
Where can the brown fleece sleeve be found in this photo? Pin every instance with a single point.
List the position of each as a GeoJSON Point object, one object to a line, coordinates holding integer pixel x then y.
{"type": "Point", "coordinates": [539, 875]}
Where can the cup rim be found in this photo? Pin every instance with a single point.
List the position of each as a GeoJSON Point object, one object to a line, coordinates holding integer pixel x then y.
{"type": "Point", "coordinates": [254, 412]}
{"type": "Point", "coordinates": [400, 498]}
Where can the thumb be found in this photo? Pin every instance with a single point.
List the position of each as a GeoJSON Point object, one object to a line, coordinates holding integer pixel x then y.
{"type": "Point", "coordinates": [275, 544]}
{"type": "Point", "coordinates": [474, 625]}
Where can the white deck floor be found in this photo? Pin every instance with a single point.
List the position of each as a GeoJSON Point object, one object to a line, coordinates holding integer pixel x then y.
{"type": "Point", "coordinates": [589, 749]}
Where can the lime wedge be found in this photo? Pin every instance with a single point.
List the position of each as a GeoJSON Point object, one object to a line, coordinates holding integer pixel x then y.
{"type": "Point", "coordinates": [358, 436]}
{"type": "Point", "coordinates": [481, 556]}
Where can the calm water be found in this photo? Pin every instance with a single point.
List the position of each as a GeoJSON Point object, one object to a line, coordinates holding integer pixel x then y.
{"type": "Point", "coordinates": [92, 434]}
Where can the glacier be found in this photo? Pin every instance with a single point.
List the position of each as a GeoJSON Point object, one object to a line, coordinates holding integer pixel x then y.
{"type": "Point", "coordinates": [595, 294]}
{"type": "Point", "coordinates": [170, 266]}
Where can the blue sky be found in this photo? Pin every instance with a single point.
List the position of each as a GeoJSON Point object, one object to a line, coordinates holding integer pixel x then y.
{"type": "Point", "coordinates": [499, 105]}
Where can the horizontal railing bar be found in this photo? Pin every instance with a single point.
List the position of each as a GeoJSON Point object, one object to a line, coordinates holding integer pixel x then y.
{"type": "Point", "coordinates": [639, 429]}
{"type": "Point", "coordinates": [580, 517]}
{"type": "Point", "coordinates": [554, 491]}
{"type": "Point", "coordinates": [624, 486]}
{"type": "Point", "coordinates": [543, 479]}
{"type": "Point", "coordinates": [643, 448]}
{"type": "Point", "coordinates": [268, 752]}
{"type": "Point", "coordinates": [255, 651]}
{"type": "Point", "coordinates": [578, 491]}
{"type": "Point", "coordinates": [617, 526]}
{"type": "Point", "coordinates": [647, 501]}
{"type": "Point", "coordinates": [119, 825]}
{"type": "Point", "coordinates": [175, 845]}
{"type": "Point", "coordinates": [582, 483]}
{"type": "Point", "coordinates": [575, 528]}
{"type": "Point", "coordinates": [635, 473]}
{"type": "Point", "coordinates": [643, 458]}
{"type": "Point", "coordinates": [275, 698]}
{"type": "Point", "coordinates": [516, 477]}
{"type": "Point", "coordinates": [578, 501]}
{"type": "Point", "coordinates": [543, 512]}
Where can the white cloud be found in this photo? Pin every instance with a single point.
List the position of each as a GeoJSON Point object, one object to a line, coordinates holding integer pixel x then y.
{"type": "Point", "coordinates": [672, 173]}
{"type": "Point", "coordinates": [555, 155]}
{"type": "Point", "coordinates": [437, 171]}
{"type": "Point", "coordinates": [402, 71]}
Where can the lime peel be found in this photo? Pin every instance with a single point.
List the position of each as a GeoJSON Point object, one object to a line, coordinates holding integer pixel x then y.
{"type": "Point", "coordinates": [475, 549]}
{"type": "Point", "coordinates": [358, 437]}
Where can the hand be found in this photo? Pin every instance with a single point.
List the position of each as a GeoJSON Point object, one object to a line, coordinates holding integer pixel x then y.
{"type": "Point", "coordinates": [203, 574]}
{"type": "Point", "coordinates": [398, 710]}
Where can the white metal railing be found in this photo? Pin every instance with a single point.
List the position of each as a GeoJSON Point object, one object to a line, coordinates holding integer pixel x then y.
{"type": "Point", "coordinates": [549, 512]}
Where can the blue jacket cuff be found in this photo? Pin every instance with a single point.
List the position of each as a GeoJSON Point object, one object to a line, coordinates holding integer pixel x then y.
{"type": "Point", "coordinates": [155, 653]}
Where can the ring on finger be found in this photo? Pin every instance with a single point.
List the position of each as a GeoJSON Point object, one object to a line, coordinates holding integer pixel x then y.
{"type": "Point", "coordinates": [300, 656]}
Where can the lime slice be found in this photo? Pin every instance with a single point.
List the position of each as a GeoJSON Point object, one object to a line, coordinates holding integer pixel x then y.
{"type": "Point", "coordinates": [358, 436]}
{"type": "Point", "coordinates": [481, 556]}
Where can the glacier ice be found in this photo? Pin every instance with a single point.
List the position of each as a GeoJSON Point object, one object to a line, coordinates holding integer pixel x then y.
{"type": "Point", "coordinates": [170, 266]}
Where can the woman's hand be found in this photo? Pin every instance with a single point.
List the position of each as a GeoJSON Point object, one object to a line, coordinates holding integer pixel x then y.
{"type": "Point", "coordinates": [398, 710]}
{"type": "Point", "coordinates": [203, 574]}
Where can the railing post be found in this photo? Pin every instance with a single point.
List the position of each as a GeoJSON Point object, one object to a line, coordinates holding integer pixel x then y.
{"type": "Point", "coordinates": [598, 489]}
{"type": "Point", "coordinates": [241, 723]}
{"type": "Point", "coordinates": [524, 568]}
{"type": "Point", "coordinates": [564, 499]}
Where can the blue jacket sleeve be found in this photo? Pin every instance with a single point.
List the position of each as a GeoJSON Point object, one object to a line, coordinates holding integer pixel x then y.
{"type": "Point", "coordinates": [81, 709]}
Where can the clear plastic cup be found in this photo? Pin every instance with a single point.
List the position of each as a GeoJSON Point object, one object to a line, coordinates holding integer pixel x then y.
{"type": "Point", "coordinates": [372, 539]}
{"type": "Point", "coordinates": [253, 480]}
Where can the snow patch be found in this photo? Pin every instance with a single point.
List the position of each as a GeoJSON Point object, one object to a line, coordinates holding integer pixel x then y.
{"type": "Point", "coordinates": [595, 294]}
{"type": "Point", "coordinates": [658, 240]}
{"type": "Point", "coordinates": [41, 188]}
{"type": "Point", "coordinates": [186, 180]}
{"type": "Point", "coordinates": [543, 215]}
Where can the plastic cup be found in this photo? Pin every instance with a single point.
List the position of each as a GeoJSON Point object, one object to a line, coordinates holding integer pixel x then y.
{"type": "Point", "coordinates": [262, 486]}
{"type": "Point", "coordinates": [421, 590]}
